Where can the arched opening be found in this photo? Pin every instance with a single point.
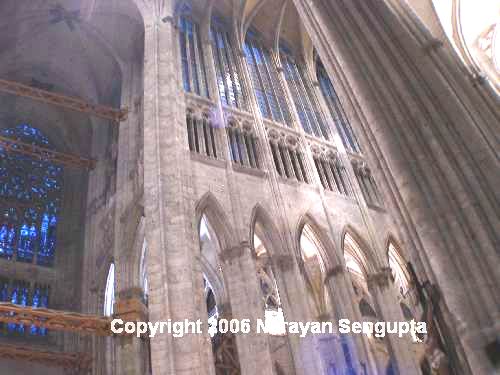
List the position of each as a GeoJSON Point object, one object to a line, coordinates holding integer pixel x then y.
{"type": "Point", "coordinates": [217, 303]}
{"type": "Point", "coordinates": [358, 267]}
{"type": "Point", "coordinates": [109, 293]}
{"type": "Point", "coordinates": [314, 269]}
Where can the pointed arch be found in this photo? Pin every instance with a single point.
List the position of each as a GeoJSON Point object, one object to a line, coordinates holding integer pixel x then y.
{"type": "Point", "coordinates": [398, 265]}
{"type": "Point", "coordinates": [267, 231]}
{"type": "Point", "coordinates": [325, 242]}
{"type": "Point", "coordinates": [209, 206]}
{"type": "Point", "coordinates": [353, 245]}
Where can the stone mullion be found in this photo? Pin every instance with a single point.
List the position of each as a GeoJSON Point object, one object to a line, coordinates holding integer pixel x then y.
{"type": "Point", "coordinates": [319, 169]}
{"type": "Point", "coordinates": [191, 136]}
{"type": "Point", "coordinates": [246, 303]}
{"type": "Point", "coordinates": [223, 68]}
{"type": "Point", "coordinates": [296, 166]}
{"type": "Point", "coordinates": [342, 297]}
{"type": "Point", "coordinates": [288, 160]}
{"type": "Point", "coordinates": [308, 100]}
{"type": "Point", "coordinates": [233, 71]}
{"type": "Point", "coordinates": [199, 60]}
{"type": "Point", "coordinates": [329, 175]}
{"type": "Point", "coordinates": [259, 74]}
{"type": "Point", "coordinates": [247, 140]}
{"type": "Point", "coordinates": [386, 301]}
{"type": "Point", "coordinates": [280, 166]}
{"type": "Point", "coordinates": [245, 158]}
{"type": "Point", "coordinates": [201, 136]}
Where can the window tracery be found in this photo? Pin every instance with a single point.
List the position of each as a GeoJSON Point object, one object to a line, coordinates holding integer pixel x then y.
{"type": "Point", "coordinates": [30, 197]}
{"type": "Point", "coordinates": [202, 135]}
{"type": "Point", "coordinates": [25, 294]}
{"type": "Point", "coordinates": [243, 144]}
{"type": "Point", "coordinates": [265, 80]}
{"type": "Point", "coordinates": [367, 184]}
{"type": "Point", "coordinates": [340, 120]}
{"type": "Point", "coordinates": [303, 96]}
{"type": "Point", "coordinates": [194, 74]}
{"type": "Point", "coordinates": [288, 159]}
{"type": "Point", "coordinates": [332, 173]}
{"type": "Point", "coordinates": [229, 82]}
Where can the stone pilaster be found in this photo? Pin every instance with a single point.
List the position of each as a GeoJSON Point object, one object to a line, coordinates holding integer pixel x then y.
{"type": "Point", "coordinates": [246, 303]}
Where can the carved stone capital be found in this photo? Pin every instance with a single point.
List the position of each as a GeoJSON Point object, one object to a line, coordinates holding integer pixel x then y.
{"type": "Point", "coordinates": [131, 309]}
{"type": "Point", "coordinates": [334, 271]}
{"type": "Point", "coordinates": [235, 252]}
{"type": "Point", "coordinates": [381, 279]}
{"type": "Point", "coordinates": [284, 262]}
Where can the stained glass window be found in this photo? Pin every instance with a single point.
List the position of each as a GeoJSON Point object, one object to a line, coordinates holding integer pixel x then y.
{"type": "Point", "coordinates": [194, 75]}
{"type": "Point", "coordinates": [226, 68]}
{"type": "Point", "coordinates": [265, 80]}
{"type": "Point", "coordinates": [300, 86]}
{"type": "Point", "coordinates": [22, 293]}
{"type": "Point", "coordinates": [30, 200]}
{"type": "Point", "coordinates": [340, 119]}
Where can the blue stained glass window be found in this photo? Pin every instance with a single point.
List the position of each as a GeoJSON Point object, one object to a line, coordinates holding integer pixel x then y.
{"type": "Point", "coordinates": [303, 96]}
{"type": "Point", "coordinates": [21, 293]}
{"type": "Point", "coordinates": [194, 75]}
{"type": "Point", "coordinates": [266, 83]}
{"type": "Point", "coordinates": [30, 200]}
{"type": "Point", "coordinates": [342, 124]}
{"type": "Point", "coordinates": [227, 72]}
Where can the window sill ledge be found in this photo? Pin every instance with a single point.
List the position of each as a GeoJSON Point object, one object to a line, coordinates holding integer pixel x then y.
{"type": "Point", "coordinates": [207, 160]}
{"type": "Point", "coordinates": [247, 170]}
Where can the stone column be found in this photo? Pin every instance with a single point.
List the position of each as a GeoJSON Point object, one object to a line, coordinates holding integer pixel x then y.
{"type": "Point", "coordinates": [131, 352]}
{"type": "Point", "coordinates": [379, 286]}
{"type": "Point", "coordinates": [432, 150]}
{"type": "Point", "coordinates": [344, 307]}
{"type": "Point", "coordinates": [246, 303]}
{"type": "Point", "coordinates": [176, 290]}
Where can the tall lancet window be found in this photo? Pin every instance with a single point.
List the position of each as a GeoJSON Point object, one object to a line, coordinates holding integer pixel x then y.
{"type": "Point", "coordinates": [340, 119]}
{"type": "Point", "coordinates": [300, 86]}
{"type": "Point", "coordinates": [226, 65]}
{"type": "Point", "coordinates": [265, 80]}
{"type": "Point", "coordinates": [109, 293]}
{"type": "Point", "coordinates": [30, 200]}
{"type": "Point", "coordinates": [194, 74]}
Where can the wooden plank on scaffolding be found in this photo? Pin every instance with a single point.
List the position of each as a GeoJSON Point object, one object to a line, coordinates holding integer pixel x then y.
{"type": "Point", "coordinates": [60, 100]}
{"type": "Point", "coordinates": [71, 361]}
{"type": "Point", "coordinates": [42, 153]}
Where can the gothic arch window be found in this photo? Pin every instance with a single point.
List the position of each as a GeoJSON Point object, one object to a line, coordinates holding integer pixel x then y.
{"type": "Point", "coordinates": [398, 269]}
{"type": "Point", "coordinates": [144, 272]}
{"type": "Point", "coordinates": [314, 268]}
{"type": "Point", "coordinates": [109, 294]}
{"type": "Point", "coordinates": [194, 73]}
{"type": "Point", "coordinates": [303, 96]}
{"type": "Point", "coordinates": [30, 200]}
{"type": "Point", "coordinates": [269, 288]}
{"type": "Point", "coordinates": [227, 71]}
{"type": "Point", "coordinates": [265, 80]}
{"type": "Point", "coordinates": [340, 120]}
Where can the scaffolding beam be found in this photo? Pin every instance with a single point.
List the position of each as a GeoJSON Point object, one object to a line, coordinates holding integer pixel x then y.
{"type": "Point", "coordinates": [71, 361]}
{"type": "Point", "coordinates": [42, 153]}
{"type": "Point", "coordinates": [55, 320]}
{"type": "Point", "coordinates": [74, 104]}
